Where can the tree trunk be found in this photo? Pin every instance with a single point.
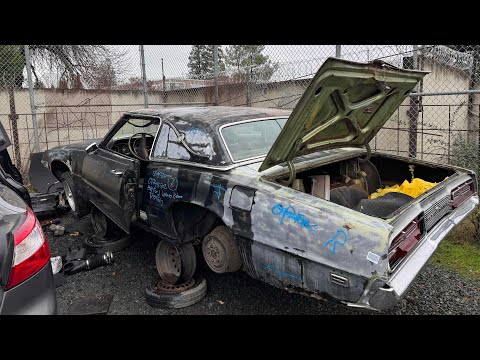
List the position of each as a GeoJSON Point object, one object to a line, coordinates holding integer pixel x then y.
{"type": "Point", "coordinates": [13, 121]}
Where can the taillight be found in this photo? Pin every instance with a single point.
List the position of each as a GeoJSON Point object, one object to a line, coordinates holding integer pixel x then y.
{"type": "Point", "coordinates": [462, 193]}
{"type": "Point", "coordinates": [405, 241]}
{"type": "Point", "coordinates": [31, 251]}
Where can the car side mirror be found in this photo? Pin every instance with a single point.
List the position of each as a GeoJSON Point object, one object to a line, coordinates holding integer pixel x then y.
{"type": "Point", "coordinates": [90, 149]}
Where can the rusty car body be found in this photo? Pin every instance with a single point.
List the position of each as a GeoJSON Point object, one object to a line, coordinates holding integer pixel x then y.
{"type": "Point", "coordinates": [250, 169]}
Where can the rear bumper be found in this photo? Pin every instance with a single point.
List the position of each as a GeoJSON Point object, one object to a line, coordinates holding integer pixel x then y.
{"type": "Point", "coordinates": [379, 295]}
{"type": "Point", "coordinates": [35, 296]}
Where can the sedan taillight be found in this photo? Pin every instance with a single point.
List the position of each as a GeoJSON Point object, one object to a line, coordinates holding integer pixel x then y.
{"type": "Point", "coordinates": [462, 193]}
{"type": "Point", "coordinates": [405, 241]}
{"type": "Point", "coordinates": [31, 251]}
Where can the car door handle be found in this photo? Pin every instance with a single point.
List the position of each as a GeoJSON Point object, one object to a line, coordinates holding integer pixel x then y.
{"type": "Point", "coordinates": [116, 173]}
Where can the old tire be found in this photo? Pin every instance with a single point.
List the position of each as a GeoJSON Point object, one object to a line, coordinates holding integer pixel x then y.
{"type": "Point", "coordinates": [176, 296]}
{"type": "Point", "coordinates": [103, 226]}
{"type": "Point", "coordinates": [78, 204]}
{"type": "Point", "coordinates": [189, 261]}
{"type": "Point", "coordinates": [220, 251]}
{"type": "Point", "coordinates": [102, 245]}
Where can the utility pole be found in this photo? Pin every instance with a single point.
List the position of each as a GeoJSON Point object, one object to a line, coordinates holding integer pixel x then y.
{"type": "Point", "coordinates": [338, 51]}
{"type": "Point", "coordinates": [215, 60]}
{"type": "Point", "coordinates": [144, 76]}
{"type": "Point", "coordinates": [36, 136]}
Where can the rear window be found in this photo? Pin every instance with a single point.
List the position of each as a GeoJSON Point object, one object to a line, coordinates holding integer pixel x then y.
{"type": "Point", "coordinates": [10, 202]}
{"type": "Point", "coordinates": [251, 139]}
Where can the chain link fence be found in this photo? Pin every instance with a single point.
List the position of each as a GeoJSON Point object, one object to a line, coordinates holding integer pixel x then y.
{"type": "Point", "coordinates": [53, 95]}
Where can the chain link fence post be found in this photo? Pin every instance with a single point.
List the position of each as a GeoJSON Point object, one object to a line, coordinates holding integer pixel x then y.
{"type": "Point", "coordinates": [144, 76]}
{"type": "Point", "coordinates": [215, 61]}
{"type": "Point", "coordinates": [36, 137]}
{"type": "Point", "coordinates": [338, 51]}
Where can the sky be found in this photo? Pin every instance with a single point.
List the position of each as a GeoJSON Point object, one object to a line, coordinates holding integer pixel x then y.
{"type": "Point", "coordinates": [293, 58]}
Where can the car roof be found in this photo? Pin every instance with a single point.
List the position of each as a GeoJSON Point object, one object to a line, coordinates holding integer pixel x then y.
{"type": "Point", "coordinates": [213, 115]}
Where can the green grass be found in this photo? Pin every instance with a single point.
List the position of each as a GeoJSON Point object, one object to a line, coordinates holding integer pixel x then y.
{"type": "Point", "coordinates": [461, 257]}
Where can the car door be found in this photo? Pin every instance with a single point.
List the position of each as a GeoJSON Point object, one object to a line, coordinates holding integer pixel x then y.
{"type": "Point", "coordinates": [112, 182]}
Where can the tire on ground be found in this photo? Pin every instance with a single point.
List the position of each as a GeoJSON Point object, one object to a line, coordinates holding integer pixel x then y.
{"type": "Point", "coordinates": [82, 206]}
{"type": "Point", "coordinates": [100, 245]}
{"type": "Point", "coordinates": [176, 300]}
{"type": "Point", "coordinates": [227, 256]}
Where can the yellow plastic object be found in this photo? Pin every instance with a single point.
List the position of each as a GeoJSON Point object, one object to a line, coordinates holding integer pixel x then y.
{"type": "Point", "coordinates": [415, 188]}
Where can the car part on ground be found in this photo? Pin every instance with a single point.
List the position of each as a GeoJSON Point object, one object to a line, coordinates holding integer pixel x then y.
{"type": "Point", "coordinates": [164, 295]}
{"type": "Point", "coordinates": [97, 305]}
{"type": "Point", "coordinates": [102, 245]}
{"type": "Point", "coordinates": [82, 258]}
{"type": "Point", "coordinates": [103, 226]}
{"type": "Point", "coordinates": [77, 203]}
{"type": "Point", "coordinates": [221, 251]}
{"type": "Point", "coordinates": [74, 266]}
{"type": "Point", "coordinates": [48, 205]}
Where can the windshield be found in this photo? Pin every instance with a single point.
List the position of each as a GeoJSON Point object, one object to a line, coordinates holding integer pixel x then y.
{"type": "Point", "coordinates": [251, 139]}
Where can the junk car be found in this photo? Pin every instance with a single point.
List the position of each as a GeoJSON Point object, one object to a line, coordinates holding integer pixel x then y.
{"type": "Point", "coordinates": [283, 195]}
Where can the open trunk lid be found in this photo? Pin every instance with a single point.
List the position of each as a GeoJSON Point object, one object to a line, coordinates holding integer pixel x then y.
{"type": "Point", "coordinates": [345, 105]}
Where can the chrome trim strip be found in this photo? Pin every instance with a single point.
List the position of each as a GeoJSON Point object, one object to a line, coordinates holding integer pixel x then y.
{"type": "Point", "coordinates": [243, 122]}
{"type": "Point", "coordinates": [204, 166]}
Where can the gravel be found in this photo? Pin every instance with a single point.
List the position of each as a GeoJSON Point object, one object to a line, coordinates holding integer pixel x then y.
{"type": "Point", "coordinates": [435, 291]}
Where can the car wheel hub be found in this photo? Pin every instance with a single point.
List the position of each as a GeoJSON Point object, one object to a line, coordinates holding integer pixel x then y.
{"type": "Point", "coordinates": [216, 256]}
{"type": "Point", "coordinates": [169, 262]}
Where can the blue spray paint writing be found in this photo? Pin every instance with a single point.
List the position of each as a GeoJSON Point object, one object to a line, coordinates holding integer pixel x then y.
{"type": "Point", "coordinates": [171, 181]}
{"type": "Point", "coordinates": [195, 130]}
{"type": "Point", "coordinates": [270, 267]}
{"type": "Point", "coordinates": [336, 241]}
{"type": "Point", "coordinates": [162, 185]}
{"type": "Point", "coordinates": [290, 213]}
{"type": "Point", "coordinates": [218, 190]}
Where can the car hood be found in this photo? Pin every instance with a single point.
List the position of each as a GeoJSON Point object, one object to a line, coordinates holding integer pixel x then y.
{"type": "Point", "coordinates": [4, 140]}
{"type": "Point", "coordinates": [345, 104]}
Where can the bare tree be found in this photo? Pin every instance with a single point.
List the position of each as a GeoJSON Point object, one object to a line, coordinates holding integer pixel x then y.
{"type": "Point", "coordinates": [77, 65]}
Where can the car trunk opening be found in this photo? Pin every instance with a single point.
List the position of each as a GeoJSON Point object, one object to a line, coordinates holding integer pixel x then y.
{"type": "Point", "coordinates": [351, 182]}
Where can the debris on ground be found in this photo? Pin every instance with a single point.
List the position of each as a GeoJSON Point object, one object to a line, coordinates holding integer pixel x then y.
{"type": "Point", "coordinates": [95, 305]}
{"type": "Point", "coordinates": [49, 222]}
{"type": "Point", "coordinates": [57, 230]}
{"type": "Point", "coordinates": [57, 269]}
{"type": "Point", "coordinates": [221, 302]}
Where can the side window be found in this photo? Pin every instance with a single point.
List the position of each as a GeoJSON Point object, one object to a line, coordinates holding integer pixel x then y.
{"type": "Point", "coordinates": [168, 145]}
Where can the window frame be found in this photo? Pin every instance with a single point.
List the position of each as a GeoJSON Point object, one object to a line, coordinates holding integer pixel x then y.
{"type": "Point", "coordinates": [243, 122]}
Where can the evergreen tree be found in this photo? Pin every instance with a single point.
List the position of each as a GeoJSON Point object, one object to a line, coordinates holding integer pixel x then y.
{"type": "Point", "coordinates": [201, 62]}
